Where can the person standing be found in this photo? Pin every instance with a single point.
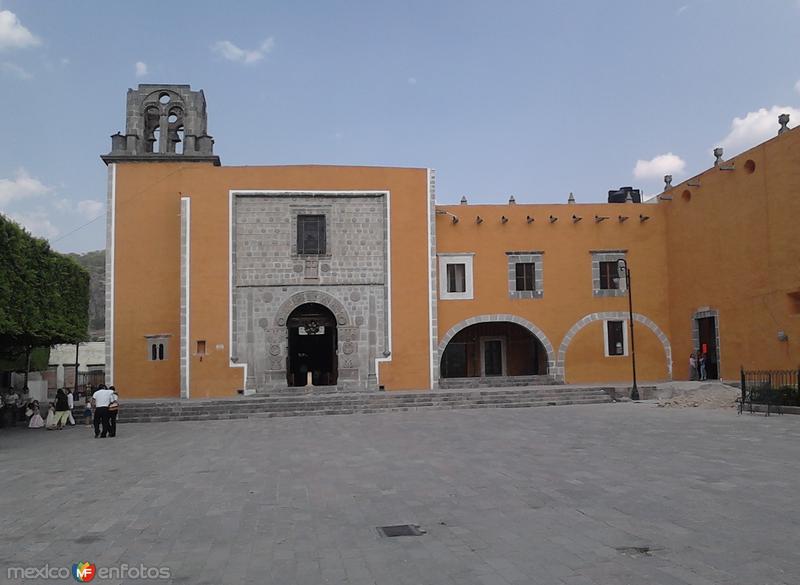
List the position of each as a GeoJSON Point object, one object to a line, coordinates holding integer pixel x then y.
{"type": "Point", "coordinates": [62, 409]}
{"type": "Point", "coordinates": [9, 410]}
{"type": "Point", "coordinates": [87, 410]}
{"type": "Point", "coordinates": [101, 400]}
{"type": "Point", "coordinates": [71, 404]}
{"type": "Point", "coordinates": [702, 361]}
{"type": "Point", "coordinates": [692, 367]}
{"type": "Point", "coordinates": [113, 409]}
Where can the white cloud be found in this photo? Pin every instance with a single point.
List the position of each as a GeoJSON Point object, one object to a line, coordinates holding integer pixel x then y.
{"type": "Point", "coordinates": [227, 50]}
{"type": "Point", "coordinates": [412, 81]}
{"type": "Point", "coordinates": [797, 86]}
{"type": "Point", "coordinates": [36, 222]}
{"type": "Point", "coordinates": [141, 68]}
{"type": "Point", "coordinates": [13, 35]}
{"type": "Point", "coordinates": [22, 186]}
{"type": "Point", "coordinates": [657, 167]}
{"type": "Point", "coordinates": [15, 71]}
{"type": "Point", "coordinates": [754, 128]}
{"type": "Point", "coordinates": [90, 208]}
{"type": "Point", "coordinates": [682, 9]}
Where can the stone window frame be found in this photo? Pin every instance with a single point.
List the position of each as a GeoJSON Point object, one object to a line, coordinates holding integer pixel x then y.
{"type": "Point", "coordinates": [537, 258]}
{"type": "Point", "coordinates": [446, 259]}
{"type": "Point", "coordinates": [156, 340]}
{"type": "Point", "coordinates": [625, 344]}
{"type": "Point", "coordinates": [323, 210]}
{"type": "Point", "coordinates": [599, 256]}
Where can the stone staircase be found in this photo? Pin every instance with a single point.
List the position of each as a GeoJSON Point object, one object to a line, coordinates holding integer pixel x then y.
{"type": "Point", "coordinates": [296, 404]}
{"type": "Point", "coordinates": [495, 382]}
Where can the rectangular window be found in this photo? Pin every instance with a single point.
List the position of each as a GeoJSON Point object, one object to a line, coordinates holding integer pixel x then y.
{"type": "Point", "coordinates": [615, 332]}
{"type": "Point", "coordinates": [456, 278]}
{"type": "Point", "coordinates": [310, 234]}
{"type": "Point", "coordinates": [609, 276]}
{"type": "Point", "coordinates": [526, 279]}
{"type": "Point", "coordinates": [201, 347]}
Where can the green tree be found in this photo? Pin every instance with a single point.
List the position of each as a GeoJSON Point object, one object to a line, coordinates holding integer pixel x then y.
{"type": "Point", "coordinates": [44, 296]}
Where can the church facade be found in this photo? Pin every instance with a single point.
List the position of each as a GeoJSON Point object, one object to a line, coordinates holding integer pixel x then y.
{"type": "Point", "coordinates": [225, 280]}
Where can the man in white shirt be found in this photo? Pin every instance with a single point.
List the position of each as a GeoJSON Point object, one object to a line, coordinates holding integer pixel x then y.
{"type": "Point", "coordinates": [100, 400]}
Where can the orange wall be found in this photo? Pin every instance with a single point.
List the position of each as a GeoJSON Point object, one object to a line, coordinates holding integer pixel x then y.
{"type": "Point", "coordinates": [147, 262]}
{"type": "Point", "coordinates": [567, 275]}
{"type": "Point", "coordinates": [734, 247]}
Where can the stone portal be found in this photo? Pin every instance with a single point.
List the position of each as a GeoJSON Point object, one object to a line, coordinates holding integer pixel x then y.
{"type": "Point", "coordinates": [301, 256]}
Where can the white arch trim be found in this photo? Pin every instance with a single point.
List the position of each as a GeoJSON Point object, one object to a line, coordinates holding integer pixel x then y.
{"type": "Point", "coordinates": [616, 316]}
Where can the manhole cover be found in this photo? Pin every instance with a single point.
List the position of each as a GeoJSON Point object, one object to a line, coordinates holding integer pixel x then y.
{"type": "Point", "coordinates": [400, 530]}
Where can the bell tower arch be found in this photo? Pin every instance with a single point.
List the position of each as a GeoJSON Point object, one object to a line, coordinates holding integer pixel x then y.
{"type": "Point", "coordinates": [164, 123]}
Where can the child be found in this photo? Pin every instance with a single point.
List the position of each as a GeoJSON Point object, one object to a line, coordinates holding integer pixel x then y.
{"type": "Point", "coordinates": [50, 423]}
{"type": "Point", "coordinates": [87, 410]}
{"type": "Point", "coordinates": [36, 421]}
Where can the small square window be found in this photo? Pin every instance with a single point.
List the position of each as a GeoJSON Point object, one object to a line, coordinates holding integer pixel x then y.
{"type": "Point", "coordinates": [311, 234]}
{"type": "Point", "coordinates": [157, 346]}
{"type": "Point", "coordinates": [456, 278]}
{"type": "Point", "coordinates": [609, 276]}
{"type": "Point", "coordinates": [525, 273]}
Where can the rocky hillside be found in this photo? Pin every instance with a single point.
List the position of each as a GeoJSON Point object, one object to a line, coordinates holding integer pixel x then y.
{"type": "Point", "coordinates": [95, 263]}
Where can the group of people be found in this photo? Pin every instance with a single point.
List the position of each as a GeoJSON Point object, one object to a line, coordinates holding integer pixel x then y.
{"type": "Point", "coordinates": [697, 366]}
{"type": "Point", "coordinates": [100, 409]}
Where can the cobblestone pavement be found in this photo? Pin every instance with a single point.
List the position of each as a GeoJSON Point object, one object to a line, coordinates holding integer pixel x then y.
{"type": "Point", "coordinates": [559, 495]}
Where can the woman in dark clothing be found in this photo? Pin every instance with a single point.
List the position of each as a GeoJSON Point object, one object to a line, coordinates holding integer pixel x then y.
{"type": "Point", "coordinates": [62, 409]}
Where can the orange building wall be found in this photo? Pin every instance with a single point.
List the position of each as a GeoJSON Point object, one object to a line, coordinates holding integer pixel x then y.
{"type": "Point", "coordinates": [734, 247]}
{"type": "Point", "coordinates": [147, 262]}
{"type": "Point", "coordinates": [567, 275]}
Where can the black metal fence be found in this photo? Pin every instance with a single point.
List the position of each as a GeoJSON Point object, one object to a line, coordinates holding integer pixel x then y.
{"type": "Point", "coordinates": [773, 388]}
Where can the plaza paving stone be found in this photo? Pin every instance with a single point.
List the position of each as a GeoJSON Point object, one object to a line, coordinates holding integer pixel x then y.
{"type": "Point", "coordinates": [553, 496]}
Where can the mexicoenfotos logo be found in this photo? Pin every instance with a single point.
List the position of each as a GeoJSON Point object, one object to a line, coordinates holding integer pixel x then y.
{"type": "Point", "coordinates": [84, 572]}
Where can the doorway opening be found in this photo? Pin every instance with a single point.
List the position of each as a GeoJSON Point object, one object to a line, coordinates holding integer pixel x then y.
{"type": "Point", "coordinates": [312, 358]}
{"type": "Point", "coordinates": [707, 337]}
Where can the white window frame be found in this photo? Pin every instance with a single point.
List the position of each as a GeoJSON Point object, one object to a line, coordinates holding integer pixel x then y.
{"type": "Point", "coordinates": [624, 338]}
{"type": "Point", "coordinates": [460, 258]}
{"type": "Point", "coordinates": [503, 368]}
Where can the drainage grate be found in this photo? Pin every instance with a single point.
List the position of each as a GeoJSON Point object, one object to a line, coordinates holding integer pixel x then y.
{"type": "Point", "coordinates": [400, 530]}
{"type": "Point", "coordinates": [634, 551]}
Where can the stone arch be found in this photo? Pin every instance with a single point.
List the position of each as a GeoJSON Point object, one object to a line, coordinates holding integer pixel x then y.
{"type": "Point", "coordinates": [538, 333]}
{"type": "Point", "coordinates": [312, 296]}
{"type": "Point", "coordinates": [612, 315]}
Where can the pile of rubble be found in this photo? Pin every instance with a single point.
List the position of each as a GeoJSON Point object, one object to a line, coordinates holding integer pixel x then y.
{"type": "Point", "coordinates": [704, 395]}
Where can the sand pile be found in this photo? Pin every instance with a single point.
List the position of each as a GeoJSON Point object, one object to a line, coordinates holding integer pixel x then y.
{"type": "Point", "coordinates": [711, 395]}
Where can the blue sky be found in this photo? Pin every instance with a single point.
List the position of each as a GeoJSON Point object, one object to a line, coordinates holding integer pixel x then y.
{"type": "Point", "coordinates": [534, 99]}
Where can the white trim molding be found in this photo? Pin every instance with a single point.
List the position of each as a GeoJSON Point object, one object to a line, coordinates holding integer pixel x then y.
{"type": "Point", "coordinates": [231, 363]}
{"type": "Point", "coordinates": [446, 259]}
{"type": "Point", "coordinates": [185, 308]}
{"type": "Point", "coordinates": [432, 297]}
{"type": "Point", "coordinates": [612, 316]}
{"type": "Point", "coordinates": [110, 252]}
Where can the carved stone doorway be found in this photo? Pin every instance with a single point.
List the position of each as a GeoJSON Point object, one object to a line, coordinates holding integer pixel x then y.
{"type": "Point", "coordinates": [313, 339]}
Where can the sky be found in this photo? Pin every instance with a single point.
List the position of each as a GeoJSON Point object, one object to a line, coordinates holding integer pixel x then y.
{"type": "Point", "coordinates": [527, 98]}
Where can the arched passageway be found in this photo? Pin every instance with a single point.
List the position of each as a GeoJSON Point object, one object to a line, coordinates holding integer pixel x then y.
{"type": "Point", "coordinates": [312, 358]}
{"type": "Point", "coordinates": [493, 349]}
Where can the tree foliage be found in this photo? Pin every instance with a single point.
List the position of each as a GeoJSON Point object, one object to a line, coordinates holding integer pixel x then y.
{"type": "Point", "coordinates": [44, 296]}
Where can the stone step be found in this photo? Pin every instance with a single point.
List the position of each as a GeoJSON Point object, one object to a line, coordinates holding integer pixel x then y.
{"type": "Point", "coordinates": [324, 404]}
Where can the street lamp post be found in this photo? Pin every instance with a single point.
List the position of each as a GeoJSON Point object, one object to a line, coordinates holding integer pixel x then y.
{"type": "Point", "coordinates": [623, 269]}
